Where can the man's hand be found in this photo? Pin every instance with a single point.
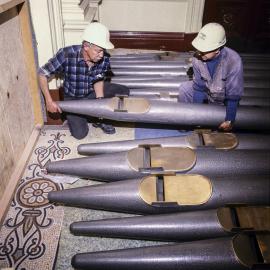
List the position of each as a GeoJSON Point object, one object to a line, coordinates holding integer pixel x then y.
{"type": "Point", "coordinates": [226, 126]}
{"type": "Point", "coordinates": [99, 89]}
{"type": "Point", "coordinates": [53, 107]}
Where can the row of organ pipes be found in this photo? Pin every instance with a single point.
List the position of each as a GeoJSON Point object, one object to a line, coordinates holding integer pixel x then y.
{"type": "Point", "coordinates": [207, 192]}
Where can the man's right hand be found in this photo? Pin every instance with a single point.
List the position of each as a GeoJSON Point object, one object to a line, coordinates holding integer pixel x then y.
{"type": "Point", "coordinates": [226, 126]}
{"type": "Point", "coordinates": [53, 107]}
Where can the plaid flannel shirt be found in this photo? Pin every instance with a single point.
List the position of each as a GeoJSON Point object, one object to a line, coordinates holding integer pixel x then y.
{"type": "Point", "coordinates": [78, 76]}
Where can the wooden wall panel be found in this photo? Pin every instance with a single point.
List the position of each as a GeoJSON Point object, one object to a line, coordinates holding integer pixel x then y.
{"type": "Point", "coordinates": [29, 60]}
{"type": "Point", "coordinates": [166, 41]}
{"type": "Point", "coordinates": [18, 104]}
{"type": "Point", "coordinates": [15, 96]}
{"type": "Point", "coordinates": [6, 153]}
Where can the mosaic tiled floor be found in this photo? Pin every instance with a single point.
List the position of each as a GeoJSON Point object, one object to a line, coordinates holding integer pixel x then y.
{"type": "Point", "coordinates": [30, 234]}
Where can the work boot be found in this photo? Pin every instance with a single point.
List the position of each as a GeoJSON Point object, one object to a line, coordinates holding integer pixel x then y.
{"type": "Point", "coordinates": [108, 129]}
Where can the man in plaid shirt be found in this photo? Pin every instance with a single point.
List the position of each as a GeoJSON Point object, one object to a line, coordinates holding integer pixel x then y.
{"type": "Point", "coordinates": [83, 68]}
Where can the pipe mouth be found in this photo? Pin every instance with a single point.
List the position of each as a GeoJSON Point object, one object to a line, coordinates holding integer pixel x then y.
{"type": "Point", "coordinates": [129, 105]}
{"type": "Point", "coordinates": [207, 138]}
{"type": "Point", "coordinates": [241, 218]}
{"type": "Point", "coordinates": [178, 190]}
{"type": "Point", "coordinates": [161, 159]}
{"type": "Point", "coordinates": [248, 249]}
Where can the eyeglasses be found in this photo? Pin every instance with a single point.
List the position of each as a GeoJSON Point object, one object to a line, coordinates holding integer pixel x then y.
{"type": "Point", "coordinates": [95, 48]}
{"type": "Point", "coordinates": [98, 50]}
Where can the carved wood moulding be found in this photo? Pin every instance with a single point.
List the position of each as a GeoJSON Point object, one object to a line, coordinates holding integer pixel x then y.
{"type": "Point", "coordinates": [152, 40]}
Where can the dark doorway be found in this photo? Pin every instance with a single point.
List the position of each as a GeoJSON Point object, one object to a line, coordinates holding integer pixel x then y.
{"type": "Point", "coordinates": [247, 23]}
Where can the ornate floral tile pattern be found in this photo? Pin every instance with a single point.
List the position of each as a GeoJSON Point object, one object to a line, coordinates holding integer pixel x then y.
{"type": "Point", "coordinates": [31, 230]}
{"type": "Point", "coordinates": [30, 234]}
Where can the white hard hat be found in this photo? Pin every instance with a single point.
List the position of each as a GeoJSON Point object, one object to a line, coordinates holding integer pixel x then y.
{"type": "Point", "coordinates": [98, 34]}
{"type": "Point", "coordinates": [210, 37]}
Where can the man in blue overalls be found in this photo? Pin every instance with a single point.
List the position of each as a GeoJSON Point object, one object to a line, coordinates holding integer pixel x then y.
{"type": "Point", "coordinates": [218, 74]}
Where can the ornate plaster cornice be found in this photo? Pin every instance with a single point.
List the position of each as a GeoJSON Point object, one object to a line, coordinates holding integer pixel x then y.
{"type": "Point", "coordinates": [90, 9]}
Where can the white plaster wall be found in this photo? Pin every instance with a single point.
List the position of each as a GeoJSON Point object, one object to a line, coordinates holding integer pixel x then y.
{"type": "Point", "coordinates": [41, 25]}
{"type": "Point", "coordinates": [134, 15]}
{"type": "Point", "coordinates": [73, 21]}
{"type": "Point", "coordinates": [46, 16]}
{"type": "Point", "coordinates": [59, 23]}
{"type": "Point", "coordinates": [141, 15]}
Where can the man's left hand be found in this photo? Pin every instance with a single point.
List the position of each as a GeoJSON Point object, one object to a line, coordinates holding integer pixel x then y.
{"type": "Point", "coordinates": [226, 126]}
